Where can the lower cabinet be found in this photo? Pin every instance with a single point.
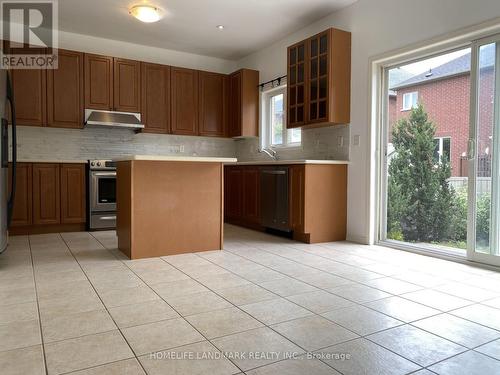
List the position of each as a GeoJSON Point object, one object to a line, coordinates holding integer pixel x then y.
{"type": "Point", "coordinates": [50, 197]}
{"type": "Point", "coordinates": [317, 200]}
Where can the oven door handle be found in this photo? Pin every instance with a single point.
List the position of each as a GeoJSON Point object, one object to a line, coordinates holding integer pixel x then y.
{"type": "Point", "coordinates": [107, 218]}
{"type": "Point", "coordinates": [104, 174]}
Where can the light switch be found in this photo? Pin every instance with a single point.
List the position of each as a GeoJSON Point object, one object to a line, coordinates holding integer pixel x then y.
{"type": "Point", "coordinates": [355, 140]}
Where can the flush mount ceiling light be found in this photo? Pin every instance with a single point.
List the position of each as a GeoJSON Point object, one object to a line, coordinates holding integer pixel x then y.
{"type": "Point", "coordinates": [220, 27]}
{"type": "Point", "coordinates": [145, 13]}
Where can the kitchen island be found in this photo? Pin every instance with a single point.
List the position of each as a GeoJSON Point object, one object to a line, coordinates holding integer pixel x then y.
{"type": "Point", "coordinates": [169, 204]}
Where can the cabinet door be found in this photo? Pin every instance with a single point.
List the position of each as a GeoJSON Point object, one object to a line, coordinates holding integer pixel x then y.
{"type": "Point", "coordinates": [296, 85]}
{"type": "Point", "coordinates": [46, 194]}
{"type": "Point", "coordinates": [184, 98]}
{"type": "Point", "coordinates": [234, 192]}
{"type": "Point", "coordinates": [127, 85]}
{"type": "Point", "coordinates": [30, 87]}
{"type": "Point", "coordinates": [98, 82]}
{"type": "Point", "coordinates": [212, 91]}
{"type": "Point", "coordinates": [22, 213]}
{"type": "Point", "coordinates": [155, 97]}
{"type": "Point", "coordinates": [65, 91]}
{"type": "Point", "coordinates": [235, 104]}
{"type": "Point", "coordinates": [72, 193]}
{"type": "Point", "coordinates": [251, 194]}
{"type": "Point", "coordinates": [318, 83]}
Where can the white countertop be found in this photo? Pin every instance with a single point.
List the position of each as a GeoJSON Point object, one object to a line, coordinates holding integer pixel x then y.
{"type": "Point", "coordinates": [287, 162]}
{"type": "Point", "coordinates": [52, 161]}
{"type": "Point", "coordinates": [198, 159]}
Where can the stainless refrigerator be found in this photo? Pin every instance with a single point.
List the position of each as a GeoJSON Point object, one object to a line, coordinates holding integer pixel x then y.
{"type": "Point", "coordinates": [6, 199]}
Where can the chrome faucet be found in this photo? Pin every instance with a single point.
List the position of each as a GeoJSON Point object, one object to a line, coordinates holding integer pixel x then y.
{"type": "Point", "coordinates": [269, 152]}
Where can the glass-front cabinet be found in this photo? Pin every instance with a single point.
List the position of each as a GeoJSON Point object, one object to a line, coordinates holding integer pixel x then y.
{"type": "Point", "coordinates": [325, 73]}
{"type": "Point", "coordinates": [296, 85]}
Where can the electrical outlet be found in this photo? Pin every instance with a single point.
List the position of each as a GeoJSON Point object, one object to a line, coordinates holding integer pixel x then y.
{"type": "Point", "coordinates": [340, 141]}
{"type": "Point", "coordinates": [181, 148]}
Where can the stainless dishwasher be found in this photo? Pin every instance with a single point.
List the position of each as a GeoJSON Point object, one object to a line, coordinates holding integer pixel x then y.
{"type": "Point", "coordinates": [274, 198]}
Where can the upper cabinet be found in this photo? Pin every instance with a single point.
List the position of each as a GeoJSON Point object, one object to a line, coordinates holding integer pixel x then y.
{"type": "Point", "coordinates": [112, 83]}
{"type": "Point", "coordinates": [127, 85]}
{"type": "Point", "coordinates": [155, 96]}
{"type": "Point", "coordinates": [212, 107]}
{"type": "Point", "coordinates": [296, 84]}
{"type": "Point", "coordinates": [98, 82]}
{"type": "Point", "coordinates": [244, 103]}
{"type": "Point", "coordinates": [184, 100]}
{"type": "Point", "coordinates": [30, 87]}
{"type": "Point", "coordinates": [325, 72]}
{"type": "Point", "coordinates": [65, 91]}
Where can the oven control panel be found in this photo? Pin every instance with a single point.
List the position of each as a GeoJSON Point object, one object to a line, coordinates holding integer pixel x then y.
{"type": "Point", "coordinates": [102, 164]}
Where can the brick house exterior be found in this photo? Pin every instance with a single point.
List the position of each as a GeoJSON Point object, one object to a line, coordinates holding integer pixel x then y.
{"type": "Point", "coordinates": [446, 98]}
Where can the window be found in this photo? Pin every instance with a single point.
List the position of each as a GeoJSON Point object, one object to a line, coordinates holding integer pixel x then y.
{"type": "Point", "coordinates": [410, 100]}
{"type": "Point", "coordinates": [442, 149]}
{"type": "Point", "coordinates": [275, 133]}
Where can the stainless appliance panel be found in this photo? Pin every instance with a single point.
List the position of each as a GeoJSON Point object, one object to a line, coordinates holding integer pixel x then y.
{"type": "Point", "coordinates": [274, 198]}
{"type": "Point", "coordinates": [4, 183]}
{"type": "Point", "coordinates": [103, 221]}
{"type": "Point", "coordinates": [103, 190]}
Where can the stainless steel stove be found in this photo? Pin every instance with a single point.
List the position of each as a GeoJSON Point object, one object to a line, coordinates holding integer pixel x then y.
{"type": "Point", "coordinates": [101, 195]}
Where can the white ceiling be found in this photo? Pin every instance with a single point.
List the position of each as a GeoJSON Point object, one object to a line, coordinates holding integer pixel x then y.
{"type": "Point", "coordinates": [190, 25]}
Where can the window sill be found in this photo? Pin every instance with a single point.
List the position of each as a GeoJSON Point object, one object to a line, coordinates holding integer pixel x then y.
{"type": "Point", "coordinates": [286, 147]}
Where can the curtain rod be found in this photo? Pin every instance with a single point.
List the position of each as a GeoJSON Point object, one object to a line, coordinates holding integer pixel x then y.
{"type": "Point", "coordinates": [279, 79]}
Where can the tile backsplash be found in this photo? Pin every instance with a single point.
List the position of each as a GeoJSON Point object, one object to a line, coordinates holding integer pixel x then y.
{"type": "Point", "coordinates": [35, 143]}
{"type": "Point", "coordinates": [317, 144]}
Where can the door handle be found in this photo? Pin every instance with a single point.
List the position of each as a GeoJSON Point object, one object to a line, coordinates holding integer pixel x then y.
{"type": "Point", "coordinates": [108, 218]}
{"type": "Point", "coordinates": [274, 172]}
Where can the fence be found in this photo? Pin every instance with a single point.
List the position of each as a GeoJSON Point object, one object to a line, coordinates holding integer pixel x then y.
{"type": "Point", "coordinates": [483, 184]}
{"type": "Point", "coordinates": [483, 166]}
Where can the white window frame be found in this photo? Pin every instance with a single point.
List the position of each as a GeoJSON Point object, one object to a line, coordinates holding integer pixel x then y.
{"type": "Point", "coordinates": [266, 130]}
{"type": "Point", "coordinates": [441, 146]}
{"type": "Point", "coordinates": [413, 100]}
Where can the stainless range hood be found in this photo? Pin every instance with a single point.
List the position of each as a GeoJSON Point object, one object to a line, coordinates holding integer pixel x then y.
{"type": "Point", "coordinates": [98, 118]}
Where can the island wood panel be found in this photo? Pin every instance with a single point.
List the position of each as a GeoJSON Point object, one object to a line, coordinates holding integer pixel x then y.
{"type": "Point", "coordinates": [65, 91]}
{"type": "Point", "coordinates": [166, 208]}
{"type": "Point", "coordinates": [325, 203]}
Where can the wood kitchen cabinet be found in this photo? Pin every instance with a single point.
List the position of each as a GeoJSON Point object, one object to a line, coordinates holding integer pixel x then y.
{"type": "Point", "coordinates": [46, 194]}
{"type": "Point", "coordinates": [50, 198]}
{"type": "Point", "coordinates": [212, 105]}
{"type": "Point", "coordinates": [317, 200]}
{"type": "Point", "coordinates": [98, 82]}
{"type": "Point", "coordinates": [233, 192]}
{"type": "Point", "coordinates": [22, 210]}
{"type": "Point", "coordinates": [296, 86]}
{"type": "Point", "coordinates": [30, 97]}
{"type": "Point", "coordinates": [155, 98]}
{"type": "Point", "coordinates": [126, 85]}
{"type": "Point", "coordinates": [251, 194]}
{"type": "Point", "coordinates": [244, 103]}
{"type": "Point", "coordinates": [184, 101]}
{"type": "Point", "coordinates": [73, 194]}
{"type": "Point", "coordinates": [65, 92]}
{"type": "Point", "coordinates": [319, 84]}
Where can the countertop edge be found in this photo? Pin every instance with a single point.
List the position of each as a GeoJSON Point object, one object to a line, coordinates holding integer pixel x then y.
{"type": "Point", "coordinates": [52, 161]}
{"type": "Point", "coordinates": [291, 162]}
{"type": "Point", "coordinates": [197, 159]}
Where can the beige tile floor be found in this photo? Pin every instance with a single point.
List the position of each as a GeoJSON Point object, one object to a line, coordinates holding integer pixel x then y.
{"type": "Point", "coordinates": [72, 303]}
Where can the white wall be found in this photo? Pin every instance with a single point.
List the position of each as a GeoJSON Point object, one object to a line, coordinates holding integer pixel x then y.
{"type": "Point", "coordinates": [377, 26]}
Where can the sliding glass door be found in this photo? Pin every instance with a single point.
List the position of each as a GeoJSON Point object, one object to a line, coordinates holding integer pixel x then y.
{"type": "Point", "coordinates": [483, 243]}
{"type": "Point", "coordinates": [440, 172]}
